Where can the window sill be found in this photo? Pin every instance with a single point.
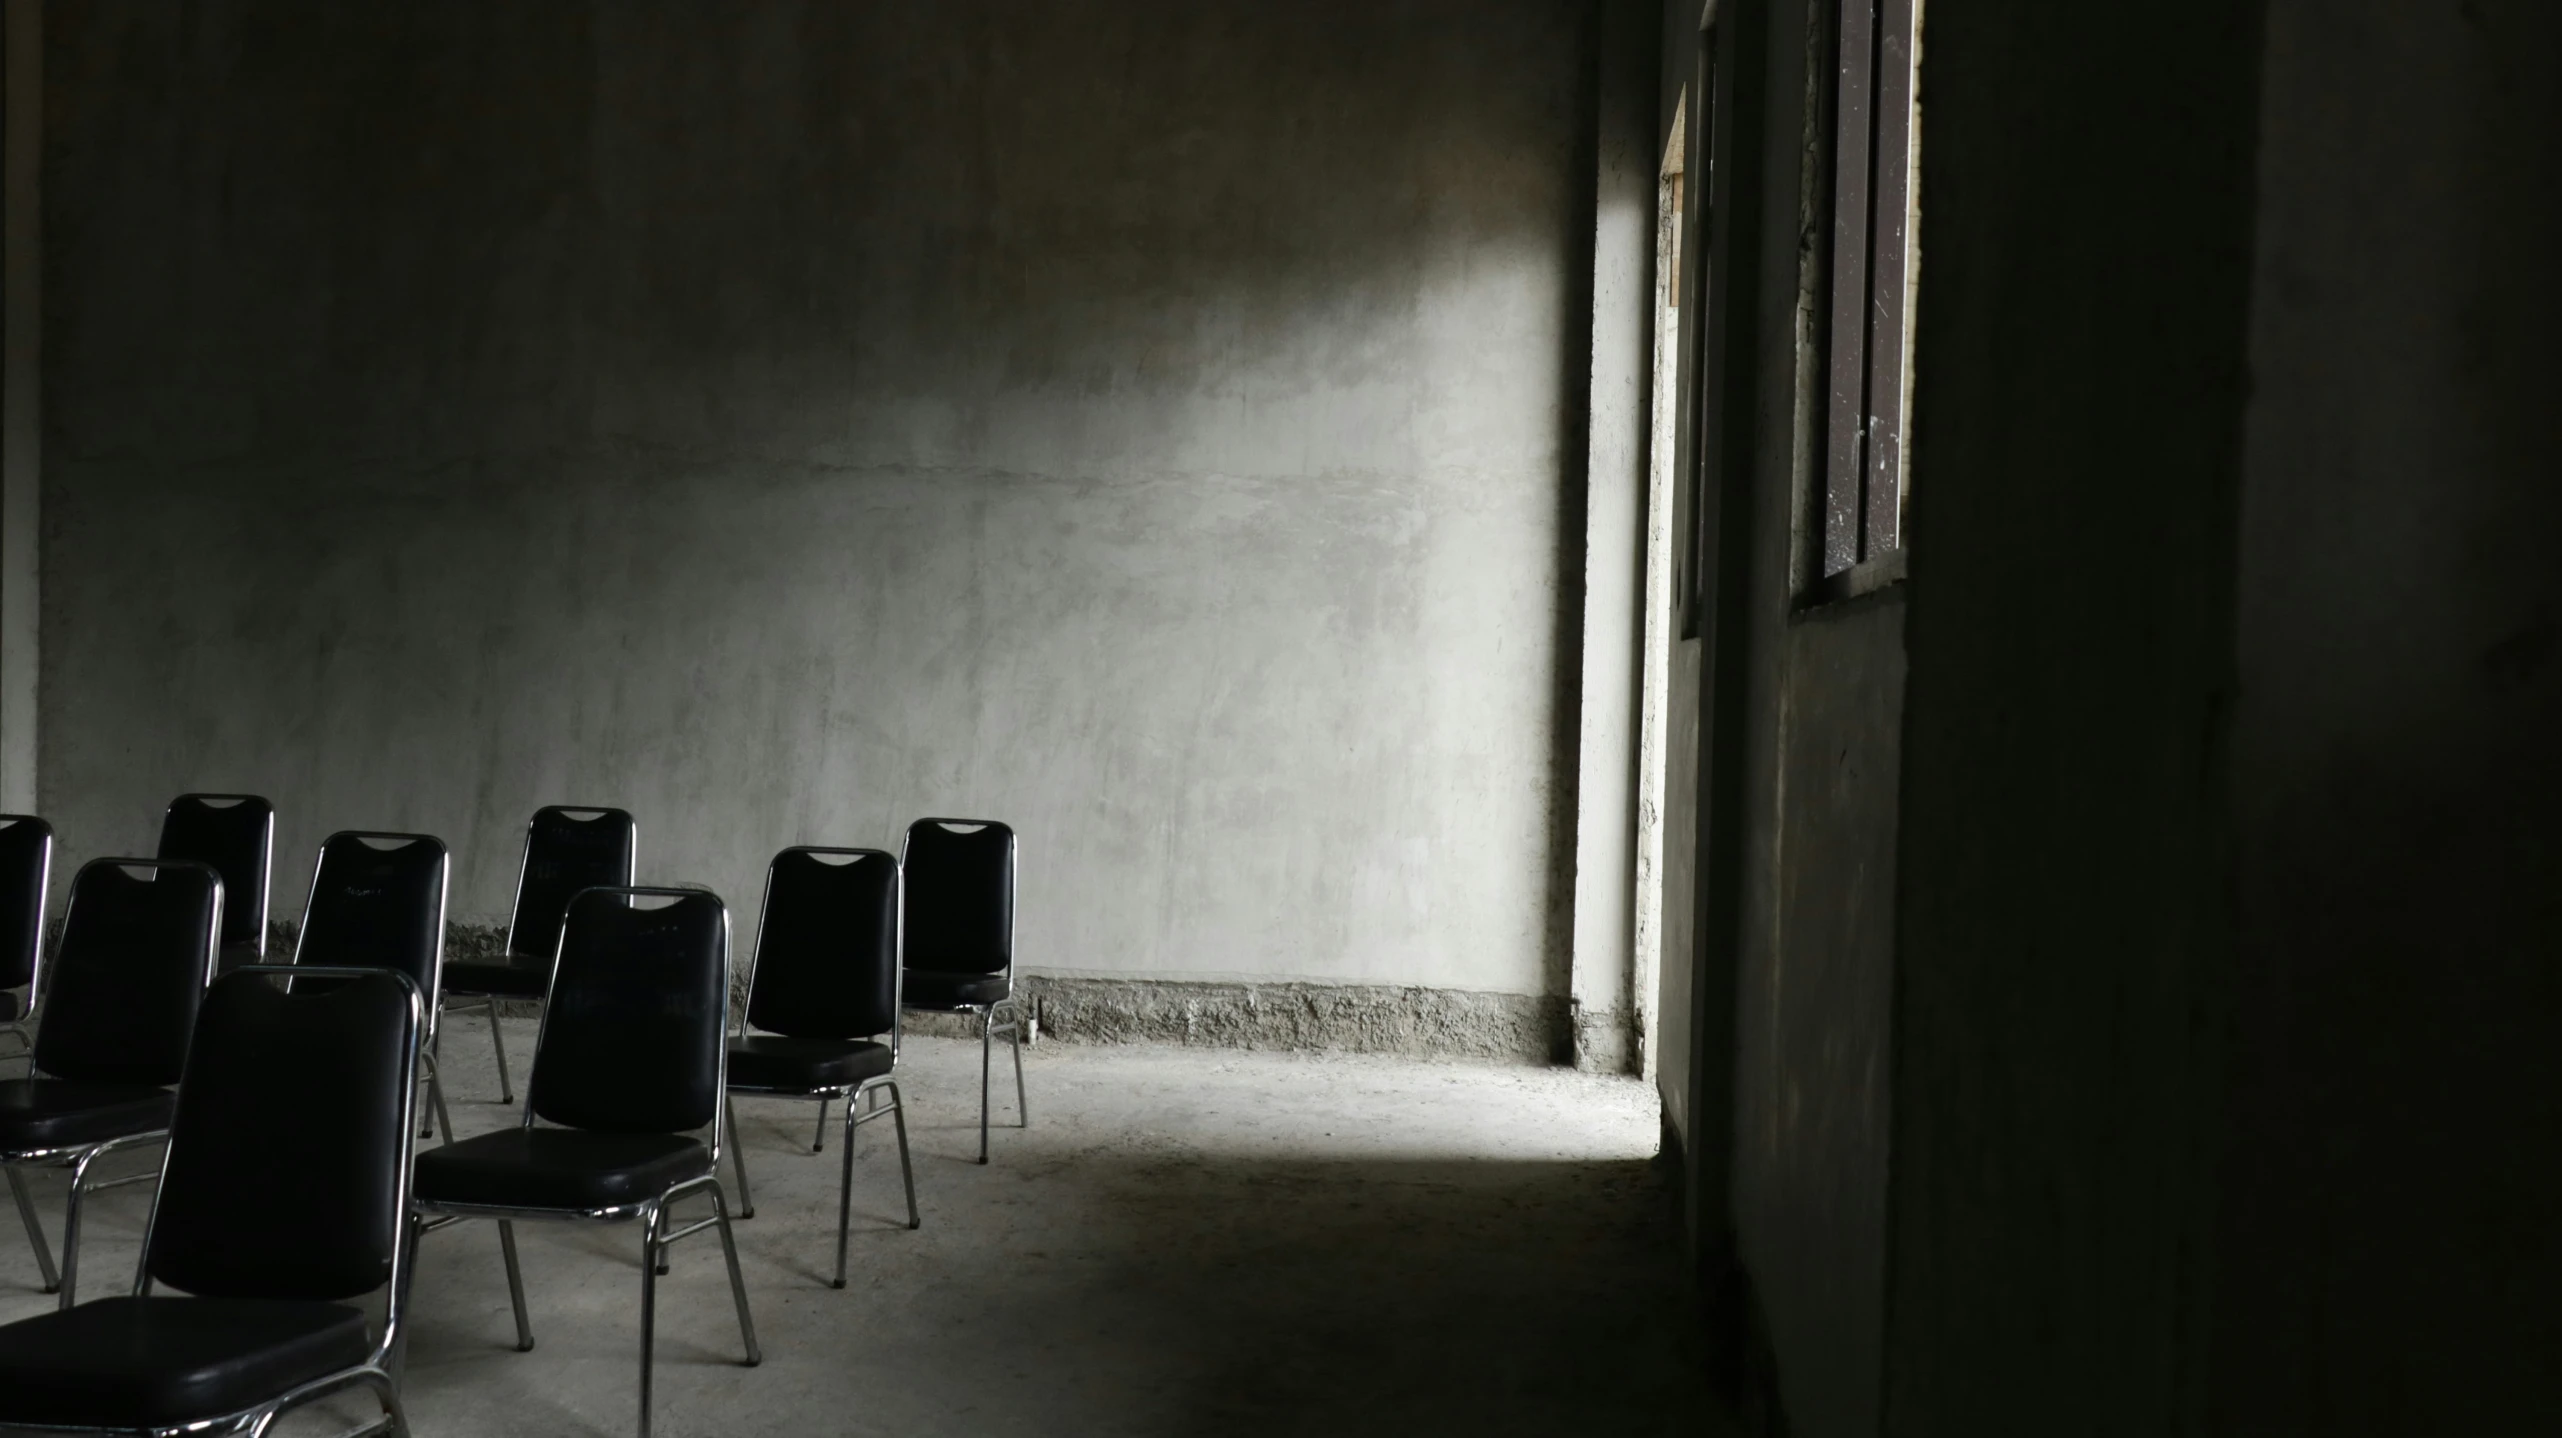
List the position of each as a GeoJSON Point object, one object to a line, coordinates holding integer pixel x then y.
{"type": "Point", "coordinates": [1869, 576]}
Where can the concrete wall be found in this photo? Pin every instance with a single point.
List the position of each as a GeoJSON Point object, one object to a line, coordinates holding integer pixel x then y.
{"type": "Point", "coordinates": [1677, 650]}
{"type": "Point", "coordinates": [1793, 718]}
{"type": "Point", "coordinates": [1801, 715]}
{"type": "Point", "coordinates": [21, 446]}
{"type": "Point", "coordinates": [2386, 1261]}
{"type": "Point", "coordinates": [2061, 929]}
{"type": "Point", "coordinates": [1144, 422]}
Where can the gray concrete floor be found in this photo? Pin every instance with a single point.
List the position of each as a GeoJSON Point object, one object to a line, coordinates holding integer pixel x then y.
{"type": "Point", "coordinates": [1185, 1242]}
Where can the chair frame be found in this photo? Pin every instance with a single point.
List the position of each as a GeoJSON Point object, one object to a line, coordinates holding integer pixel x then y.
{"type": "Point", "coordinates": [17, 1028]}
{"type": "Point", "coordinates": [655, 1240]}
{"type": "Point", "coordinates": [542, 1006]}
{"type": "Point", "coordinates": [81, 1157]}
{"type": "Point", "coordinates": [436, 969]}
{"type": "Point", "coordinates": [1012, 1003]}
{"type": "Point", "coordinates": [266, 868]}
{"type": "Point", "coordinates": [854, 1094]}
{"type": "Point", "coordinates": [381, 1369]}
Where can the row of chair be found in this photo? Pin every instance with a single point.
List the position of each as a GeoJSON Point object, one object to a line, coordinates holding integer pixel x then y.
{"type": "Point", "coordinates": [627, 1108]}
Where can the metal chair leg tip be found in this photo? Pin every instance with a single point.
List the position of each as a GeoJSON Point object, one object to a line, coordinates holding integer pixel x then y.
{"type": "Point", "coordinates": [751, 1363]}
{"type": "Point", "coordinates": [525, 1347]}
{"type": "Point", "coordinates": [836, 1283]}
{"type": "Point", "coordinates": [51, 1288]}
{"type": "Point", "coordinates": [746, 1214]}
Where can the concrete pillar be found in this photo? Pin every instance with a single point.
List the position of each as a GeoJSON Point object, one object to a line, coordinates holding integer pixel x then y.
{"type": "Point", "coordinates": [1606, 1032]}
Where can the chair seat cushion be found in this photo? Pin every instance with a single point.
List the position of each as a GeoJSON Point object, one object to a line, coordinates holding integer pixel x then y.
{"type": "Point", "coordinates": [145, 1362]}
{"type": "Point", "coordinates": [59, 1113]}
{"type": "Point", "coordinates": [771, 1061]}
{"type": "Point", "coordinates": [930, 989]}
{"type": "Point", "coordinates": [568, 1168]}
{"type": "Point", "coordinates": [531, 979]}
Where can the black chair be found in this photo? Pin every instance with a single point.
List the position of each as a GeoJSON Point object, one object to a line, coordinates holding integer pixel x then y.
{"type": "Point", "coordinates": [378, 902]}
{"type": "Point", "coordinates": [138, 947]}
{"type": "Point", "coordinates": [566, 850]}
{"type": "Point", "coordinates": [234, 834]}
{"type": "Point", "coordinates": [823, 988]}
{"type": "Point", "coordinates": [629, 1063]}
{"type": "Point", "coordinates": [285, 1195]}
{"type": "Point", "coordinates": [959, 955]}
{"type": "Point", "coordinates": [26, 876]}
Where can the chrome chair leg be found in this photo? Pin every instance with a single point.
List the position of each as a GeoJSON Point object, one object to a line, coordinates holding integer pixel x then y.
{"type": "Point", "coordinates": [845, 1189]}
{"type": "Point", "coordinates": [906, 1171]}
{"type": "Point", "coordinates": [1022, 1100]}
{"type": "Point", "coordinates": [71, 1229]}
{"type": "Point", "coordinates": [427, 1127]}
{"type": "Point", "coordinates": [515, 1285]}
{"type": "Point", "coordinates": [389, 1392]}
{"type": "Point", "coordinates": [35, 1231]}
{"type": "Point", "coordinates": [738, 1160]}
{"type": "Point", "coordinates": [498, 1041]}
{"type": "Point", "coordinates": [818, 1143]}
{"type": "Point", "coordinates": [987, 1055]}
{"type": "Point", "coordinates": [737, 1281]}
{"type": "Point", "coordinates": [649, 1305]}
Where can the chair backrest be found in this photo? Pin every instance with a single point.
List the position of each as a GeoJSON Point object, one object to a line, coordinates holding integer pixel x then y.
{"type": "Point", "coordinates": [138, 943]}
{"type": "Point", "coordinates": [960, 896]}
{"type": "Point", "coordinates": [288, 1160]}
{"type": "Point", "coordinates": [377, 902]}
{"type": "Point", "coordinates": [827, 947]}
{"type": "Point", "coordinates": [236, 834]}
{"type": "Point", "coordinates": [26, 868]}
{"type": "Point", "coordinates": [567, 849]}
{"type": "Point", "coordinates": [635, 1036]}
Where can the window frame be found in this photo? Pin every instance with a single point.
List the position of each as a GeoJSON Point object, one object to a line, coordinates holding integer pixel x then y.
{"type": "Point", "coordinates": [1863, 475]}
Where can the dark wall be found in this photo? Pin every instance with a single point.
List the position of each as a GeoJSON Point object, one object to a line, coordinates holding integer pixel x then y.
{"type": "Point", "coordinates": [2085, 237]}
{"type": "Point", "coordinates": [1801, 713]}
{"type": "Point", "coordinates": [2393, 1169]}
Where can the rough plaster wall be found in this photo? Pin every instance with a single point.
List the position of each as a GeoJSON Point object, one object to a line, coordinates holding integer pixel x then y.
{"type": "Point", "coordinates": [1680, 964]}
{"type": "Point", "coordinates": [1812, 1031]}
{"type": "Point", "coordinates": [1797, 972]}
{"type": "Point", "coordinates": [1139, 421]}
{"type": "Point", "coordinates": [2085, 232]}
{"type": "Point", "coordinates": [2387, 1262]}
{"type": "Point", "coordinates": [1677, 966]}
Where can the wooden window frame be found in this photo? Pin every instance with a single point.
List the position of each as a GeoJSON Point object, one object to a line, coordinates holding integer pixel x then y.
{"type": "Point", "coordinates": [1864, 480]}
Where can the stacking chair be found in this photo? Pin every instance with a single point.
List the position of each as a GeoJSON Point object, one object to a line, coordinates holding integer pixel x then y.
{"type": "Point", "coordinates": [235, 834]}
{"type": "Point", "coordinates": [378, 902]}
{"type": "Point", "coordinates": [26, 873]}
{"type": "Point", "coordinates": [138, 947]}
{"type": "Point", "coordinates": [822, 989]}
{"type": "Point", "coordinates": [285, 1195]}
{"type": "Point", "coordinates": [959, 954]}
{"type": "Point", "coordinates": [566, 850]}
{"type": "Point", "coordinates": [628, 1067]}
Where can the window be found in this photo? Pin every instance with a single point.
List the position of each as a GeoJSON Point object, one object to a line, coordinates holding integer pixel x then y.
{"type": "Point", "coordinates": [1707, 324]}
{"type": "Point", "coordinates": [1874, 264]}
